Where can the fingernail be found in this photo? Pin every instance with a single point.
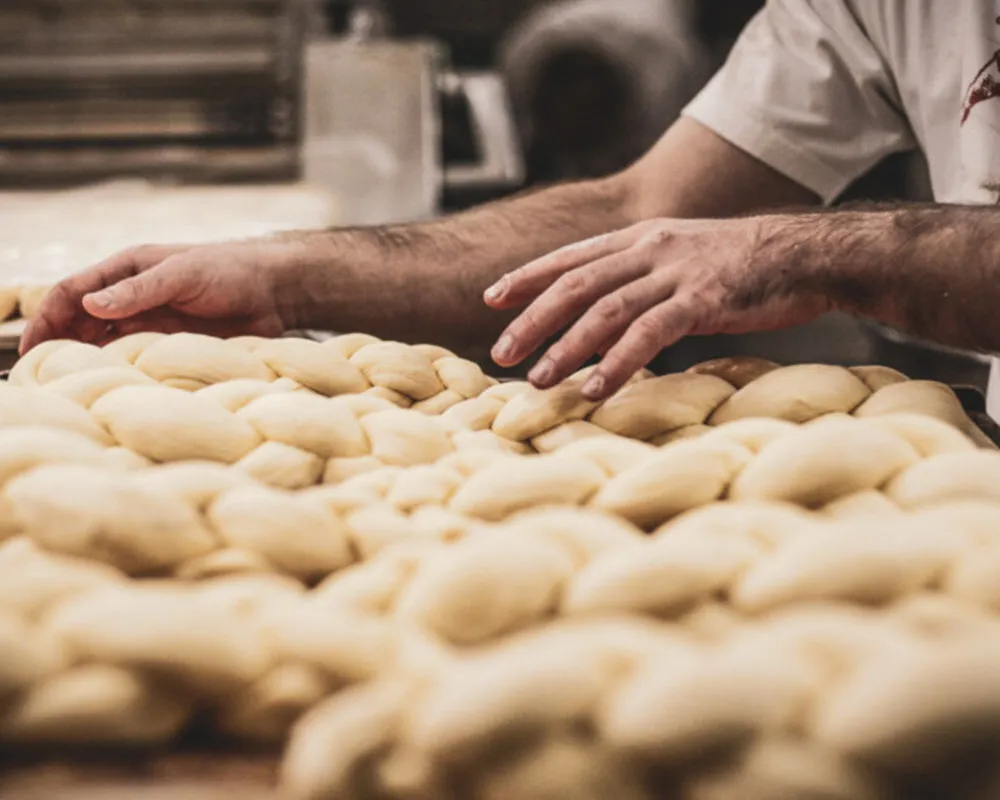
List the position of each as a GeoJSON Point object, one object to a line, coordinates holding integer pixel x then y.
{"type": "Point", "coordinates": [504, 349]}
{"type": "Point", "coordinates": [542, 373]}
{"type": "Point", "coordinates": [593, 389]}
{"type": "Point", "coordinates": [495, 292]}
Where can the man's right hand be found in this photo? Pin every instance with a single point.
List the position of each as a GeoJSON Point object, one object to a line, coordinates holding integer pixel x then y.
{"type": "Point", "coordinates": [227, 289]}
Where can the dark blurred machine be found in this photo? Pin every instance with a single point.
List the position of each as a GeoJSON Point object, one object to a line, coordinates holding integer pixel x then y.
{"type": "Point", "coordinates": [217, 91]}
{"type": "Point", "coordinates": [185, 88]}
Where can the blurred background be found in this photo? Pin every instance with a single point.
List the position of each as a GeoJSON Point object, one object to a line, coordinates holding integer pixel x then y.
{"type": "Point", "coordinates": [377, 110]}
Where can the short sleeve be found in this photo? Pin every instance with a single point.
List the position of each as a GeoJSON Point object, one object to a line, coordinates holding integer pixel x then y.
{"type": "Point", "coordinates": [805, 91]}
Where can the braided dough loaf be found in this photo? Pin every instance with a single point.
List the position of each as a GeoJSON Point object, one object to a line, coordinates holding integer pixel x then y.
{"type": "Point", "coordinates": [276, 432]}
{"type": "Point", "coordinates": [742, 559]}
{"type": "Point", "coordinates": [839, 463]}
{"type": "Point", "coordinates": [24, 448]}
{"type": "Point", "coordinates": [425, 377]}
{"type": "Point", "coordinates": [670, 407]}
{"type": "Point", "coordinates": [21, 301]}
{"type": "Point", "coordinates": [829, 702]}
{"type": "Point", "coordinates": [196, 521]}
{"type": "Point", "coordinates": [200, 519]}
{"type": "Point", "coordinates": [133, 662]}
{"type": "Point", "coordinates": [468, 582]}
{"type": "Point", "coordinates": [91, 658]}
{"type": "Point", "coordinates": [433, 380]}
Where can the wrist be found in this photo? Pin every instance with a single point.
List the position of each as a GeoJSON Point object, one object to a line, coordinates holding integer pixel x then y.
{"type": "Point", "coordinates": [789, 260]}
{"type": "Point", "coordinates": [296, 268]}
{"type": "Point", "coordinates": [837, 259]}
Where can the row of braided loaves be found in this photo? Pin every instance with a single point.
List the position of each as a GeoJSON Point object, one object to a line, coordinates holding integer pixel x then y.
{"type": "Point", "coordinates": [713, 567]}
{"type": "Point", "coordinates": [430, 379]}
{"type": "Point", "coordinates": [425, 377]}
{"type": "Point", "coordinates": [280, 434]}
{"type": "Point", "coordinates": [73, 496]}
{"type": "Point", "coordinates": [189, 520]}
{"type": "Point", "coordinates": [93, 658]}
{"type": "Point", "coordinates": [828, 702]}
{"type": "Point", "coordinates": [684, 405]}
{"type": "Point", "coordinates": [197, 520]}
{"type": "Point", "coordinates": [837, 462]}
{"type": "Point", "coordinates": [291, 437]}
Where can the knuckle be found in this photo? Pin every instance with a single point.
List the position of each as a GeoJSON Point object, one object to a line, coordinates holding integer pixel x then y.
{"type": "Point", "coordinates": [60, 293]}
{"type": "Point", "coordinates": [139, 254]}
{"type": "Point", "coordinates": [64, 294]}
{"type": "Point", "coordinates": [662, 235]}
{"type": "Point", "coordinates": [572, 285]}
{"type": "Point", "coordinates": [687, 304]}
{"type": "Point", "coordinates": [613, 308]}
{"type": "Point", "coordinates": [657, 237]}
{"type": "Point", "coordinates": [693, 305]}
{"type": "Point", "coordinates": [648, 330]}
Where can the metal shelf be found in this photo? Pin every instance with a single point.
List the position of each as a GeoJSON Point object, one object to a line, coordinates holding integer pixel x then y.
{"type": "Point", "coordinates": [92, 88]}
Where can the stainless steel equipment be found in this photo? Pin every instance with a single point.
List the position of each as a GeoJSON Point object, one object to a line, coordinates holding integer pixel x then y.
{"type": "Point", "coordinates": [204, 90]}
{"type": "Point", "coordinates": [373, 128]}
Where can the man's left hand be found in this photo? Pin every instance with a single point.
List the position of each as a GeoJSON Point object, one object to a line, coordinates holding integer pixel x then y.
{"type": "Point", "coordinates": [629, 294]}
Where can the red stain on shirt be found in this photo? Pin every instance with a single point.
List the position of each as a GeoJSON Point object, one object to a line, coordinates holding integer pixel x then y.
{"type": "Point", "coordinates": [985, 86]}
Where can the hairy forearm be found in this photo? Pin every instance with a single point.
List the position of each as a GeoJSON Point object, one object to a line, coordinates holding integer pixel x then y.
{"type": "Point", "coordinates": [425, 281]}
{"type": "Point", "coordinates": [930, 270]}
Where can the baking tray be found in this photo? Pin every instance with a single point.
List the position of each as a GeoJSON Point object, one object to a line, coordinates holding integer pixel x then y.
{"type": "Point", "coordinates": [10, 334]}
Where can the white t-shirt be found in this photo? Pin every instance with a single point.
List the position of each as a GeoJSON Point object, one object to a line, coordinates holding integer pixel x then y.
{"type": "Point", "coordinates": [821, 90]}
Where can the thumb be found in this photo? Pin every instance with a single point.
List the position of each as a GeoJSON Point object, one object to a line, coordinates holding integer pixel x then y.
{"type": "Point", "coordinates": [146, 291]}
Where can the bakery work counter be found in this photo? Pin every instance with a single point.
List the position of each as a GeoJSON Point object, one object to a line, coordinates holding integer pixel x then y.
{"type": "Point", "coordinates": [46, 236]}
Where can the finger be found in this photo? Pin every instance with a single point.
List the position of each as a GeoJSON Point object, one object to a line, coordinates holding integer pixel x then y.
{"type": "Point", "coordinates": [154, 288]}
{"type": "Point", "coordinates": [608, 343]}
{"type": "Point", "coordinates": [659, 327]}
{"type": "Point", "coordinates": [603, 324]}
{"type": "Point", "coordinates": [60, 316]}
{"type": "Point", "coordinates": [565, 300]}
{"type": "Point", "coordinates": [61, 313]}
{"type": "Point", "coordinates": [524, 284]}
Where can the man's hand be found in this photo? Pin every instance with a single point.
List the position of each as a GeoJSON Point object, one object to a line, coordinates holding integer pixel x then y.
{"type": "Point", "coordinates": [629, 294]}
{"type": "Point", "coordinates": [221, 289]}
